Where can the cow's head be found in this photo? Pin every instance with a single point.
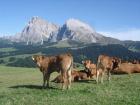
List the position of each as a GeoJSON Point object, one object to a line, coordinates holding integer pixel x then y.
{"type": "Point", "coordinates": [116, 62]}
{"type": "Point", "coordinates": [86, 63]}
{"type": "Point", "coordinates": [38, 59]}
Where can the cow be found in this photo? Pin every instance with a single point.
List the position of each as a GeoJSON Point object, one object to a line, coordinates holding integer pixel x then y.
{"type": "Point", "coordinates": [136, 61]}
{"type": "Point", "coordinates": [106, 64]}
{"type": "Point", "coordinates": [90, 67]}
{"type": "Point", "coordinates": [76, 76]}
{"type": "Point", "coordinates": [60, 63]}
{"type": "Point", "coordinates": [127, 68]}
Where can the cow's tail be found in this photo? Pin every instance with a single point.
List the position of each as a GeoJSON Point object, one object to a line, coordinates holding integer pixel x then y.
{"type": "Point", "coordinates": [71, 65]}
{"type": "Point", "coordinates": [97, 68]}
{"type": "Point", "coordinates": [98, 63]}
{"type": "Point", "coordinates": [69, 74]}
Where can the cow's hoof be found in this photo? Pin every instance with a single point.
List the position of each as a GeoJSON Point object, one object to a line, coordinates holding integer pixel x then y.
{"type": "Point", "coordinates": [63, 88]}
{"type": "Point", "coordinates": [47, 87]}
{"type": "Point", "coordinates": [69, 87]}
{"type": "Point", "coordinates": [43, 87]}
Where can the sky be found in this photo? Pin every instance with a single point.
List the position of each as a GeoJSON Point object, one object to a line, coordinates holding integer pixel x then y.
{"type": "Point", "coordinates": [114, 18]}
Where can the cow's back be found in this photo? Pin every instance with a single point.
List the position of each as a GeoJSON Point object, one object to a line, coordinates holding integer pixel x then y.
{"type": "Point", "coordinates": [65, 61]}
{"type": "Point", "coordinates": [136, 68]}
{"type": "Point", "coordinates": [128, 68]}
{"type": "Point", "coordinates": [104, 62]}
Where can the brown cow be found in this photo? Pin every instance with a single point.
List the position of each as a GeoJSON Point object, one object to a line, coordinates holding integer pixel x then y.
{"type": "Point", "coordinates": [76, 76]}
{"type": "Point", "coordinates": [90, 67]}
{"type": "Point", "coordinates": [135, 61]}
{"type": "Point", "coordinates": [61, 63]}
{"type": "Point", "coordinates": [127, 68]}
{"type": "Point", "coordinates": [106, 64]}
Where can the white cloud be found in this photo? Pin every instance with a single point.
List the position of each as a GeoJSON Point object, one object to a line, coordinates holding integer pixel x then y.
{"type": "Point", "coordinates": [129, 34]}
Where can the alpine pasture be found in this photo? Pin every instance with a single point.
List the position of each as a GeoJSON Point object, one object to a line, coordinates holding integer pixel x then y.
{"type": "Point", "coordinates": [23, 86]}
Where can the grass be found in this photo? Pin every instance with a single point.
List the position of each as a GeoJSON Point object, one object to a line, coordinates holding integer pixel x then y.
{"type": "Point", "coordinates": [9, 49]}
{"type": "Point", "coordinates": [22, 86]}
{"type": "Point", "coordinates": [6, 59]}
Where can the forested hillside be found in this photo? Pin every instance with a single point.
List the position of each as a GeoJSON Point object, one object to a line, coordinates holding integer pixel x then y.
{"type": "Point", "coordinates": [20, 55]}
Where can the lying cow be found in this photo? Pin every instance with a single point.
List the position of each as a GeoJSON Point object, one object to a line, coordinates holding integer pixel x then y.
{"type": "Point", "coordinates": [61, 63]}
{"type": "Point", "coordinates": [106, 64]}
{"type": "Point", "coordinates": [136, 61]}
{"type": "Point", "coordinates": [127, 68]}
{"type": "Point", "coordinates": [90, 67]}
{"type": "Point", "coordinates": [76, 76]}
{"type": "Point", "coordinates": [131, 61]}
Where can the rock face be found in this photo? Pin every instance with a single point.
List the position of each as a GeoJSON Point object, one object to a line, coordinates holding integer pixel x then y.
{"type": "Point", "coordinates": [38, 30]}
{"type": "Point", "coordinates": [76, 30]}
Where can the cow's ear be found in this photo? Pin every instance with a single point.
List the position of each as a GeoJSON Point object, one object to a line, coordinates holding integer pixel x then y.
{"type": "Point", "coordinates": [83, 62]}
{"type": "Point", "coordinates": [33, 58]}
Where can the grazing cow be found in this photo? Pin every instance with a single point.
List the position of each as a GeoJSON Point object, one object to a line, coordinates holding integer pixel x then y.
{"type": "Point", "coordinates": [90, 67]}
{"type": "Point", "coordinates": [61, 63]}
{"type": "Point", "coordinates": [127, 68]}
{"type": "Point", "coordinates": [76, 76]}
{"type": "Point", "coordinates": [106, 64]}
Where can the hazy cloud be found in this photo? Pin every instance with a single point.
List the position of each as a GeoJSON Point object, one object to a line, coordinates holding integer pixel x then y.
{"type": "Point", "coordinates": [130, 34]}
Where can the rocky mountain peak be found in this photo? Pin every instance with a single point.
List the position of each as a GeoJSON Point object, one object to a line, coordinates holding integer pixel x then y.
{"type": "Point", "coordinates": [38, 30]}
{"type": "Point", "coordinates": [77, 30]}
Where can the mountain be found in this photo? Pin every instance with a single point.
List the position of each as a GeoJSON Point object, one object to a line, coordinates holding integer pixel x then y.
{"type": "Point", "coordinates": [79, 31]}
{"type": "Point", "coordinates": [132, 45]}
{"type": "Point", "coordinates": [13, 38]}
{"type": "Point", "coordinates": [76, 30]}
{"type": "Point", "coordinates": [38, 31]}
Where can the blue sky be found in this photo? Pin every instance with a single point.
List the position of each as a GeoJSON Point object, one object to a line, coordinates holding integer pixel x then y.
{"type": "Point", "coordinates": [115, 18]}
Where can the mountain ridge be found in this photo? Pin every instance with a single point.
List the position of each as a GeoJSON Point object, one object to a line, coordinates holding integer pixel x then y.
{"type": "Point", "coordinates": [38, 31]}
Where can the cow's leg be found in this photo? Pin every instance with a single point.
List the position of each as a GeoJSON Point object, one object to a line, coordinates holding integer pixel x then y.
{"type": "Point", "coordinates": [69, 77]}
{"type": "Point", "coordinates": [97, 76]}
{"type": "Point", "coordinates": [63, 79]}
{"type": "Point", "coordinates": [109, 74]}
{"type": "Point", "coordinates": [102, 76]}
{"type": "Point", "coordinates": [44, 79]}
{"type": "Point", "coordinates": [48, 78]}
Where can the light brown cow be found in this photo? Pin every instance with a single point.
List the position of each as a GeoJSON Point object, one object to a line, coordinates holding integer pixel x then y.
{"type": "Point", "coordinates": [127, 68]}
{"type": "Point", "coordinates": [90, 67]}
{"type": "Point", "coordinates": [136, 61]}
{"type": "Point", "coordinates": [106, 64]}
{"type": "Point", "coordinates": [76, 76]}
{"type": "Point", "coordinates": [61, 63]}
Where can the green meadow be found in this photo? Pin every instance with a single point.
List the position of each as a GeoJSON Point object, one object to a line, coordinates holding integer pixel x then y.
{"type": "Point", "coordinates": [23, 86]}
